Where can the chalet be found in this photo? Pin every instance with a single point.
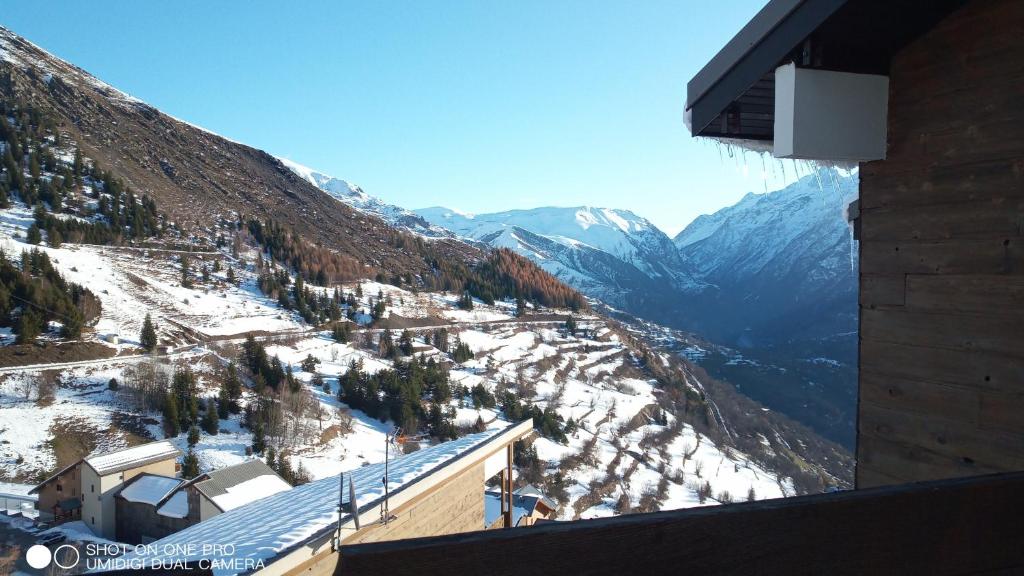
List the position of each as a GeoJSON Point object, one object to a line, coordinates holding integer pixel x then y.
{"type": "Point", "coordinates": [150, 507]}
{"type": "Point", "coordinates": [925, 97]}
{"type": "Point", "coordinates": [85, 490]}
{"type": "Point", "coordinates": [528, 506]}
{"type": "Point", "coordinates": [432, 491]}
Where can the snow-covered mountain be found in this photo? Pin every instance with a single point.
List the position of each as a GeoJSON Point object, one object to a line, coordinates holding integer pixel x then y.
{"type": "Point", "coordinates": [610, 254]}
{"type": "Point", "coordinates": [355, 197]}
{"type": "Point", "coordinates": [776, 266]}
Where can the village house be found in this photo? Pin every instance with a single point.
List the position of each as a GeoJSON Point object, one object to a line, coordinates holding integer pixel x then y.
{"type": "Point", "coordinates": [150, 507]}
{"type": "Point", "coordinates": [85, 490]}
{"type": "Point", "coordinates": [529, 505]}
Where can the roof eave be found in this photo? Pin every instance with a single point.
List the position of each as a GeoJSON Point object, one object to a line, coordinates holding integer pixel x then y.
{"type": "Point", "coordinates": [760, 47]}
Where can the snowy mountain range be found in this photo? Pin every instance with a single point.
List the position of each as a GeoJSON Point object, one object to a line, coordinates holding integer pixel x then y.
{"type": "Point", "coordinates": [776, 266]}
{"type": "Point", "coordinates": [769, 267]}
{"type": "Point", "coordinates": [610, 254]}
{"type": "Point", "coordinates": [772, 268]}
{"type": "Point", "coordinates": [354, 196]}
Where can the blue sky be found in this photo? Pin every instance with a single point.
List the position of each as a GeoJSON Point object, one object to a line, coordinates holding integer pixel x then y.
{"type": "Point", "coordinates": [476, 105]}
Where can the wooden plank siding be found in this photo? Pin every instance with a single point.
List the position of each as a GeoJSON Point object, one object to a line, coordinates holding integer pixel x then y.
{"type": "Point", "coordinates": [942, 258]}
{"type": "Point", "coordinates": [941, 528]}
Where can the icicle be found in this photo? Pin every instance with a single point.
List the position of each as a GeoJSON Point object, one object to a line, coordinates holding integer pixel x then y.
{"type": "Point", "coordinates": [853, 256]}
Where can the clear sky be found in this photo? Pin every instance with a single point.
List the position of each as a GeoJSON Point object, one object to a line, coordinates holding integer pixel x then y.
{"type": "Point", "coordinates": [476, 105]}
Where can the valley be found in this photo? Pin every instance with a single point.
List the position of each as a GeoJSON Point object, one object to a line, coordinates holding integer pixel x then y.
{"type": "Point", "coordinates": [163, 282]}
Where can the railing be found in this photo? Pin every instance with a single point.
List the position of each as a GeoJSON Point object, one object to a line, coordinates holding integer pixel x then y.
{"type": "Point", "coordinates": [946, 527]}
{"type": "Point", "coordinates": [17, 505]}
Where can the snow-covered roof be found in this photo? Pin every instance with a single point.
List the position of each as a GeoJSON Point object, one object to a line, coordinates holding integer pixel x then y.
{"type": "Point", "coordinates": [531, 490]}
{"type": "Point", "coordinates": [250, 491]}
{"type": "Point", "coordinates": [135, 456]}
{"type": "Point", "coordinates": [149, 488]}
{"type": "Point", "coordinates": [265, 529]}
{"type": "Point", "coordinates": [176, 506]}
{"type": "Point", "coordinates": [234, 486]}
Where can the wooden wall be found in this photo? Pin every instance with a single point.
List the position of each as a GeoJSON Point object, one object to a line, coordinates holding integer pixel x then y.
{"type": "Point", "coordinates": [453, 507]}
{"type": "Point", "coordinates": [457, 506]}
{"type": "Point", "coordinates": [942, 528]}
{"type": "Point", "coordinates": [942, 258]}
{"type": "Point", "coordinates": [139, 523]}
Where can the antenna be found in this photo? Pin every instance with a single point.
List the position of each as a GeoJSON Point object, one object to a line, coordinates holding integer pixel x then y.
{"type": "Point", "coordinates": [341, 498]}
{"type": "Point", "coordinates": [385, 513]}
{"type": "Point", "coordinates": [352, 504]}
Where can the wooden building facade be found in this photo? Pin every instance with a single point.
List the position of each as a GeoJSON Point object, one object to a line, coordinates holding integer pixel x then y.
{"type": "Point", "coordinates": [942, 257]}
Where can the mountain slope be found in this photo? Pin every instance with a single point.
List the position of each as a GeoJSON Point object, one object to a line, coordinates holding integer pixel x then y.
{"type": "Point", "coordinates": [778, 266]}
{"type": "Point", "coordinates": [194, 175]}
{"type": "Point", "coordinates": [781, 274]}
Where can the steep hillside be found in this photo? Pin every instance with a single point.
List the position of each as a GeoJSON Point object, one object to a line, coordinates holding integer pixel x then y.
{"type": "Point", "coordinates": [197, 176]}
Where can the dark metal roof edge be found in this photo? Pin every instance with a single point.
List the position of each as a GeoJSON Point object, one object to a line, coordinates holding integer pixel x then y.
{"type": "Point", "coordinates": [766, 20]}
{"type": "Point", "coordinates": [771, 40]}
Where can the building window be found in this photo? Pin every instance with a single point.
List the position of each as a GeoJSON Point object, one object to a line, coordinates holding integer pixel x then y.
{"type": "Point", "coordinates": [93, 520]}
{"type": "Point", "coordinates": [92, 487]}
{"type": "Point", "coordinates": [59, 488]}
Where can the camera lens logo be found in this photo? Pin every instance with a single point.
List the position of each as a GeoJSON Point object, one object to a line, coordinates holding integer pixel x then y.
{"type": "Point", "coordinates": [39, 556]}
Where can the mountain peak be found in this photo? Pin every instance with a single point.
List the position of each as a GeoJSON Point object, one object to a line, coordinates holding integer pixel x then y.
{"type": "Point", "coordinates": [354, 196]}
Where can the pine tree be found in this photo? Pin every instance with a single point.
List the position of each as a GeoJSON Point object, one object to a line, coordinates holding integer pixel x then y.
{"type": "Point", "coordinates": [54, 238]}
{"type": "Point", "coordinates": [570, 326]}
{"type": "Point", "coordinates": [190, 464]}
{"type": "Point", "coordinates": [223, 403]}
{"type": "Point", "coordinates": [405, 343]}
{"type": "Point", "coordinates": [284, 469]}
{"type": "Point", "coordinates": [520, 306]}
{"type": "Point", "coordinates": [72, 327]}
{"type": "Point", "coordinates": [29, 326]}
{"type": "Point", "coordinates": [33, 236]}
{"type": "Point", "coordinates": [148, 338]}
{"type": "Point", "coordinates": [211, 419]}
{"type": "Point", "coordinates": [171, 419]}
{"type": "Point", "coordinates": [193, 435]}
{"type": "Point", "coordinates": [259, 439]}
{"type": "Point", "coordinates": [233, 385]}
{"type": "Point", "coordinates": [231, 275]}
{"type": "Point", "coordinates": [272, 458]}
